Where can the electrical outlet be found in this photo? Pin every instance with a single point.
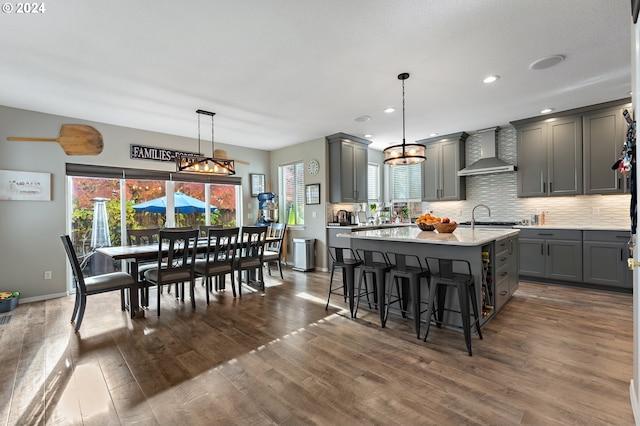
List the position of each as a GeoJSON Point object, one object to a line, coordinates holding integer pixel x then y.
{"type": "Point", "coordinates": [595, 211]}
{"type": "Point", "coordinates": [47, 275]}
{"type": "Point", "coordinates": [459, 212]}
{"type": "Point", "coordinates": [249, 215]}
{"type": "Point", "coordinates": [313, 215]}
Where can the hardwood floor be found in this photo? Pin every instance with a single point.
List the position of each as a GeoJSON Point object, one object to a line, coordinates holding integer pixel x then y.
{"type": "Point", "coordinates": [555, 355]}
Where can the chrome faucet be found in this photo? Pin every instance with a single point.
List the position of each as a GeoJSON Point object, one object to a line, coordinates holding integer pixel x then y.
{"type": "Point", "coordinates": [473, 214]}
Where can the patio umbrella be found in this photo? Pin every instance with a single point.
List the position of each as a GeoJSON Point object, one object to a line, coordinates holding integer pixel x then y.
{"type": "Point", "coordinates": [183, 204]}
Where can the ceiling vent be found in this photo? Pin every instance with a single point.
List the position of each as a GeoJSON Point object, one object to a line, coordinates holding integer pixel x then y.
{"type": "Point", "coordinates": [489, 161]}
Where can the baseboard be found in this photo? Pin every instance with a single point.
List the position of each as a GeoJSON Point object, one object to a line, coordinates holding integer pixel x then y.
{"type": "Point", "coordinates": [41, 298]}
{"type": "Point", "coordinates": [634, 403]}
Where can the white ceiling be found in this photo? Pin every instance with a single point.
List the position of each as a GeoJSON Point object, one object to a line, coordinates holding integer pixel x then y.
{"type": "Point", "coordinates": [282, 72]}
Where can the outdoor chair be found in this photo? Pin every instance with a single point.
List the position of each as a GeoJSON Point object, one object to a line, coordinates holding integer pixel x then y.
{"type": "Point", "coordinates": [94, 285]}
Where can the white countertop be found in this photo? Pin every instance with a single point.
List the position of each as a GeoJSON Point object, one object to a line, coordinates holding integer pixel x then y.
{"type": "Point", "coordinates": [600, 226]}
{"type": "Point", "coordinates": [366, 227]}
{"type": "Point", "coordinates": [412, 234]}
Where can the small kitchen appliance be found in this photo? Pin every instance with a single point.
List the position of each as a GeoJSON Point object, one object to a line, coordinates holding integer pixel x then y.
{"type": "Point", "coordinates": [267, 208]}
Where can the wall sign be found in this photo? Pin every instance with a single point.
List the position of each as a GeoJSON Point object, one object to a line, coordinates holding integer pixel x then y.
{"type": "Point", "coordinates": [15, 185]}
{"type": "Point", "coordinates": [141, 152]}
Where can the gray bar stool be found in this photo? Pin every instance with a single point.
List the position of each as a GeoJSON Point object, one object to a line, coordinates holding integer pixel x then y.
{"type": "Point", "coordinates": [377, 265]}
{"type": "Point", "coordinates": [465, 286]}
{"type": "Point", "coordinates": [344, 258]}
{"type": "Point", "coordinates": [408, 269]}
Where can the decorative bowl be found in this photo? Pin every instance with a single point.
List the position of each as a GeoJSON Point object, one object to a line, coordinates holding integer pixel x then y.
{"type": "Point", "coordinates": [445, 228]}
{"type": "Point", "coordinates": [425, 226]}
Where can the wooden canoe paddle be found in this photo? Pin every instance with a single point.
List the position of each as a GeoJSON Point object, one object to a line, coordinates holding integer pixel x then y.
{"type": "Point", "coordinates": [75, 139]}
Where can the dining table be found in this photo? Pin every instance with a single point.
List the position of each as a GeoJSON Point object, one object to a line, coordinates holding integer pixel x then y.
{"type": "Point", "coordinates": [134, 255]}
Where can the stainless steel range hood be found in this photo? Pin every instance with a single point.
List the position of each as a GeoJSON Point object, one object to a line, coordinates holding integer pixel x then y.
{"type": "Point", "coordinates": [489, 161]}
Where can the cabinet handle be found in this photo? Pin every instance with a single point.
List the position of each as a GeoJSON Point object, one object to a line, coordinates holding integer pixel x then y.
{"type": "Point", "coordinates": [550, 187]}
{"type": "Point", "coordinates": [548, 249]}
{"type": "Point", "coordinates": [503, 259]}
{"type": "Point", "coordinates": [544, 187]}
{"type": "Point", "coordinates": [546, 234]}
{"type": "Point", "coordinates": [504, 274]}
{"type": "Point", "coordinates": [619, 182]}
{"type": "Point", "coordinates": [542, 249]}
{"type": "Point", "coordinates": [503, 293]}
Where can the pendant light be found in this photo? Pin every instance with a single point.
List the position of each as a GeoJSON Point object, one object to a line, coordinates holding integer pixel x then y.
{"type": "Point", "coordinates": [201, 164]}
{"type": "Point", "coordinates": [405, 153]}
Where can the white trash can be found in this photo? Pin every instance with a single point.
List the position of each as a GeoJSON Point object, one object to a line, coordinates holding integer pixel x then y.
{"type": "Point", "coordinates": [304, 254]}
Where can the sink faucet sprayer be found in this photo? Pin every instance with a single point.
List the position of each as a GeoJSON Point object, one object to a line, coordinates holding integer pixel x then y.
{"type": "Point", "coordinates": [473, 214]}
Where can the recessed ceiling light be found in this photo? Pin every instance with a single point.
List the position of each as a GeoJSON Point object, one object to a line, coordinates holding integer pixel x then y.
{"type": "Point", "coordinates": [433, 134]}
{"type": "Point", "coordinates": [368, 135]}
{"type": "Point", "coordinates": [491, 79]}
{"type": "Point", "coordinates": [546, 111]}
{"type": "Point", "coordinates": [362, 118]}
{"type": "Point", "coordinates": [547, 62]}
{"type": "Point", "coordinates": [389, 110]}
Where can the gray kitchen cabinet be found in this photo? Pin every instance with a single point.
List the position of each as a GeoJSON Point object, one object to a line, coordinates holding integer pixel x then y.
{"type": "Point", "coordinates": [551, 253]}
{"type": "Point", "coordinates": [550, 157]}
{"type": "Point", "coordinates": [506, 270]}
{"type": "Point", "coordinates": [604, 134]}
{"type": "Point", "coordinates": [445, 156]}
{"type": "Point", "coordinates": [605, 255]}
{"type": "Point", "coordinates": [348, 163]}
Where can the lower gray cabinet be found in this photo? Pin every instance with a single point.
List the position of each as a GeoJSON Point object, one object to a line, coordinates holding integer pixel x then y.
{"type": "Point", "coordinates": [506, 270]}
{"type": "Point", "coordinates": [605, 256]}
{"type": "Point", "coordinates": [552, 253]}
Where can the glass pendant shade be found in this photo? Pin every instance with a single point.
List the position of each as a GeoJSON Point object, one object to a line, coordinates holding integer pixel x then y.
{"type": "Point", "coordinates": [404, 153]}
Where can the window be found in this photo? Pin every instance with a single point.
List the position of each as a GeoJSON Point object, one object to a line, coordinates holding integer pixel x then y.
{"type": "Point", "coordinates": [406, 182]}
{"type": "Point", "coordinates": [373, 182]}
{"type": "Point", "coordinates": [291, 181]}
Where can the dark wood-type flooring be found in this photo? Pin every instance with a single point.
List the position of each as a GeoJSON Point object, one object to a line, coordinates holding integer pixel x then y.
{"type": "Point", "coordinates": [555, 355]}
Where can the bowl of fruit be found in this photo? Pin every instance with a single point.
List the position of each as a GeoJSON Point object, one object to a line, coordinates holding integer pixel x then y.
{"type": "Point", "coordinates": [446, 226]}
{"type": "Point", "coordinates": [427, 222]}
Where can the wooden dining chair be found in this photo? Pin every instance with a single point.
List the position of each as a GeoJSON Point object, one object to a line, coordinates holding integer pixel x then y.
{"type": "Point", "coordinates": [176, 260]}
{"type": "Point", "coordinates": [273, 249]}
{"type": "Point", "coordinates": [204, 229]}
{"type": "Point", "coordinates": [94, 285]}
{"type": "Point", "coordinates": [250, 251]}
{"type": "Point", "coordinates": [219, 258]}
{"type": "Point", "coordinates": [138, 237]}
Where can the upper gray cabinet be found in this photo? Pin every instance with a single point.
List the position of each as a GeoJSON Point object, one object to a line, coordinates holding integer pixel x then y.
{"type": "Point", "coordinates": [550, 157]}
{"type": "Point", "coordinates": [445, 156]}
{"type": "Point", "coordinates": [604, 134]}
{"type": "Point", "coordinates": [348, 161]}
{"type": "Point", "coordinates": [571, 153]}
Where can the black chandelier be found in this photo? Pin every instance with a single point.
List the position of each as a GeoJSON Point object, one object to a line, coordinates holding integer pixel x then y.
{"type": "Point", "coordinates": [405, 153]}
{"type": "Point", "coordinates": [205, 165]}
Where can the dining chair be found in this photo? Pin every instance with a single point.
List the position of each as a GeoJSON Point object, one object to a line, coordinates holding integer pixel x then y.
{"type": "Point", "coordinates": [94, 285]}
{"type": "Point", "coordinates": [204, 229]}
{"type": "Point", "coordinates": [273, 248]}
{"type": "Point", "coordinates": [250, 251]}
{"type": "Point", "coordinates": [176, 260]}
{"type": "Point", "coordinates": [138, 237]}
{"type": "Point", "coordinates": [219, 258]}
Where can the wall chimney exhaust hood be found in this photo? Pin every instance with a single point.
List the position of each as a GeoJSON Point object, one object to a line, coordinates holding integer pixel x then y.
{"type": "Point", "coordinates": [489, 161]}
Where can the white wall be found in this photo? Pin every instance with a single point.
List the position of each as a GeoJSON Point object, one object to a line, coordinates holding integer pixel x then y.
{"type": "Point", "coordinates": [30, 229]}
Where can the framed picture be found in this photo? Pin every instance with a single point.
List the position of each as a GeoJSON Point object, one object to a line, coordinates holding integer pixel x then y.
{"type": "Point", "coordinates": [258, 185]}
{"type": "Point", "coordinates": [312, 192]}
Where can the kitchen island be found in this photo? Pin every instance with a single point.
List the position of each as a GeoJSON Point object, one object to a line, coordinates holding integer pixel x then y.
{"type": "Point", "coordinates": [492, 254]}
